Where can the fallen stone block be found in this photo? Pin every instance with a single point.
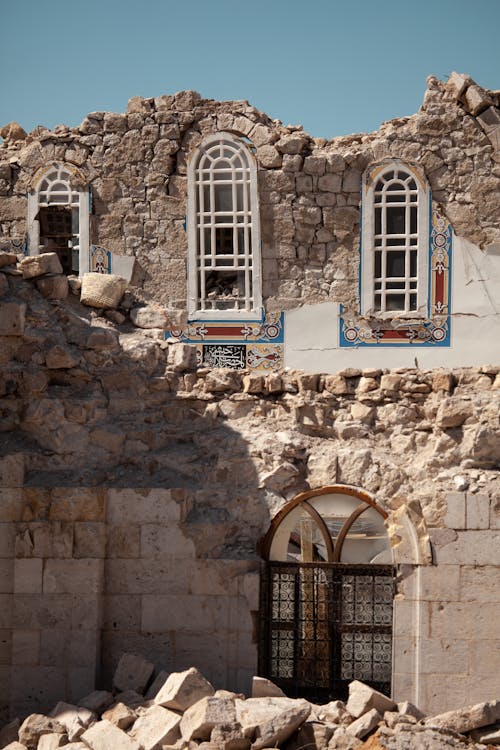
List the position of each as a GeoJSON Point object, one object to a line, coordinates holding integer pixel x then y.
{"type": "Point", "coordinates": [365, 724]}
{"type": "Point", "coordinates": [363, 698]}
{"type": "Point", "coordinates": [76, 719]}
{"type": "Point", "coordinates": [97, 701]}
{"type": "Point", "coordinates": [183, 689]}
{"type": "Point", "coordinates": [53, 287]}
{"type": "Point", "coordinates": [157, 726]}
{"type": "Point", "coordinates": [199, 720]}
{"type": "Point", "coordinates": [149, 316]}
{"type": "Point", "coordinates": [313, 735]}
{"type": "Point", "coordinates": [466, 719]}
{"type": "Point", "coordinates": [38, 265]}
{"type": "Point", "coordinates": [7, 259]}
{"type": "Point", "coordinates": [457, 83]}
{"type": "Point", "coordinates": [156, 685]}
{"type": "Point", "coordinates": [409, 709]}
{"type": "Point", "coordinates": [102, 290]}
{"type": "Point", "coordinates": [229, 737]}
{"type": "Point", "coordinates": [52, 741]}
{"type": "Point", "coordinates": [278, 729]}
{"type": "Point", "coordinates": [105, 736]}
{"type": "Point", "coordinates": [477, 99]}
{"type": "Point", "coordinates": [262, 688]}
{"type": "Point", "coordinates": [34, 726]}
{"type": "Point", "coordinates": [252, 712]}
{"type": "Point", "coordinates": [130, 698]}
{"type": "Point", "coordinates": [181, 357]}
{"type": "Point", "coordinates": [132, 673]}
{"type": "Point", "coordinates": [333, 712]}
{"type": "Point", "coordinates": [342, 740]}
{"type": "Point", "coordinates": [12, 318]}
{"type": "Point", "coordinates": [120, 715]}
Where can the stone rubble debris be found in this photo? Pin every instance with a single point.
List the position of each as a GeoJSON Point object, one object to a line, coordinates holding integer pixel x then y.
{"type": "Point", "coordinates": [206, 719]}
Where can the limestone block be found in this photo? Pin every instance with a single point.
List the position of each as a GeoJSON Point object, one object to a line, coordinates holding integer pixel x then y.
{"type": "Point", "coordinates": [477, 509]}
{"type": "Point", "coordinates": [142, 506]}
{"type": "Point", "coordinates": [73, 576]}
{"type": "Point", "coordinates": [292, 143]}
{"type": "Point", "coordinates": [466, 719]}
{"type": "Point", "coordinates": [76, 719]}
{"type": "Point", "coordinates": [7, 258]}
{"type": "Point", "coordinates": [28, 576]}
{"type": "Point", "coordinates": [156, 727]}
{"type": "Point", "coordinates": [182, 689]}
{"type": "Point", "coordinates": [455, 510]}
{"type": "Point", "coordinates": [477, 99]}
{"type": "Point", "coordinates": [102, 290]}
{"type": "Point", "coordinates": [452, 413]}
{"type": "Point", "coordinates": [336, 384]}
{"type": "Point", "coordinates": [199, 720]}
{"type": "Point", "coordinates": [53, 287]}
{"type": "Point", "coordinates": [96, 701]}
{"type": "Point", "coordinates": [280, 727]}
{"type": "Point", "coordinates": [442, 381]}
{"type": "Point", "coordinates": [34, 726]}
{"type": "Point", "coordinates": [12, 470]}
{"type": "Point", "coordinates": [60, 357]}
{"type": "Point", "coordinates": [471, 548]}
{"type": "Point", "coordinates": [181, 357]}
{"type": "Point", "coordinates": [269, 157]}
{"type": "Point", "coordinates": [25, 647]}
{"type": "Point", "coordinates": [51, 741]}
{"type": "Point", "coordinates": [262, 688]}
{"type": "Point", "coordinates": [408, 709]}
{"type": "Point", "coordinates": [120, 715]}
{"type": "Point", "coordinates": [365, 724]}
{"type": "Point", "coordinates": [229, 737]}
{"type": "Point", "coordinates": [149, 316]}
{"type": "Point", "coordinates": [38, 265]}
{"type": "Point", "coordinates": [457, 83]}
{"type": "Point", "coordinates": [479, 583]}
{"type": "Point", "coordinates": [333, 712]}
{"type": "Point", "coordinates": [102, 339]}
{"type": "Point", "coordinates": [221, 380]}
{"type": "Point", "coordinates": [105, 736]}
{"type": "Point", "coordinates": [341, 740]}
{"type": "Point", "coordinates": [363, 698]}
{"type": "Point", "coordinates": [130, 698]}
{"type": "Point", "coordinates": [12, 318]}
{"type": "Point", "coordinates": [132, 673]}
{"type": "Point", "coordinates": [14, 746]}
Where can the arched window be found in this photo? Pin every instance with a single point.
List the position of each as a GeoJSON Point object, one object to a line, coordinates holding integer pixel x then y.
{"type": "Point", "coordinates": [224, 278]}
{"type": "Point", "coordinates": [58, 218]}
{"type": "Point", "coordinates": [327, 595]}
{"type": "Point", "coordinates": [395, 241]}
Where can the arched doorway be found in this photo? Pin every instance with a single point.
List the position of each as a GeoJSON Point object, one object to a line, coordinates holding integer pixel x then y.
{"type": "Point", "coordinates": [327, 589]}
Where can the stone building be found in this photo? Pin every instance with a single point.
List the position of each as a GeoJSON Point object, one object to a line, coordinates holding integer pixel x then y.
{"type": "Point", "coordinates": [292, 398]}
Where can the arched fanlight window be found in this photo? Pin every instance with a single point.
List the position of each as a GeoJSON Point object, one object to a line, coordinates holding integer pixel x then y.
{"type": "Point", "coordinates": [58, 218]}
{"type": "Point", "coordinates": [327, 590]}
{"type": "Point", "coordinates": [395, 241]}
{"type": "Point", "coordinates": [224, 279]}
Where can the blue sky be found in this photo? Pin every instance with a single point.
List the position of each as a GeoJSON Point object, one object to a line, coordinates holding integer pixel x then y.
{"type": "Point", "coordinates": [335, 67]}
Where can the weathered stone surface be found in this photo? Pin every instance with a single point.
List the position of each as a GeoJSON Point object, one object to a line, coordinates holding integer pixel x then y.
{"type": "Point", "coordinates": [363, 698]}
{"type": "Point", "coordinates": [132, 673]}
{"type": "Point", "coordinates": [53, 287]}
{"type": "Point", "coordinates": [51, 741]}
{"type": "Point", "coordinates": [182, 689]}
{"type": "Point", "coordinates": [105, 736]}
{"type": "Point", "coordinates": [102, 290]}
{"type": "Point", "coordinates": [262, 688]}
{"type": "Point", "coordinates": [466, 719]}
{"type": "Point", "coordinates": [365, 724]}
{"type": "Point", "coordinates": [181, 357]}
{"type": "Point", "coordinates": [149, 316]}
{"type": "Point", "coordinates": [60, 357]}
{"type": "Point", "coordinates": [76, 719]}
{"type": "Point", "coordinates": [199, 720]}
{"type": "Point", "coordinates": [120, 715]}
{"type": "Point", "coordinates": [277, 729]}
{"type": "Point", "coordinates": [12, 318]}
{"type": "Point", "coordinates": [34, 726]}
{"type": "Point", "coordinates": [38, 265]}
{"type": "Point", "coordinates": [96, 701]}
{"type": "Point", "coordinates": [155, 727]}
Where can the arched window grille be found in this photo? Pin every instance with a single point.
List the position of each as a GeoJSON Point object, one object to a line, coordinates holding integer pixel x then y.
{"type": "Point", "coordinates": [224, 234]}
{"type": "Point", "coordinates": [395, 241]}
{"type": "Point", "coordinates": [58, 218]}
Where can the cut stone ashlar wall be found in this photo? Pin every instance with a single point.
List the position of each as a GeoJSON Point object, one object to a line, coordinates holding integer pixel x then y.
{"type": "Point", "coordinates": [309, 188]}
{"type": "Point", "coordinates": [91, 573]}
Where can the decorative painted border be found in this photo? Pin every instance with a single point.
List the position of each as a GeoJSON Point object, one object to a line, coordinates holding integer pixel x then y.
{"type": "Point", "coordinates": [435, 330]}
{"type": "Point", "coordinates": [100, 260]}
{"type": "Point", "coordinates": [246, 344]}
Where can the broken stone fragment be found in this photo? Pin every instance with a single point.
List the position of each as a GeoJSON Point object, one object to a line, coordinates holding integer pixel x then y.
{"type": "Point", "coordinates": [97, 701]}
{"type": "Point", "coordinates": [365, 724]}
{"type": "Point", "coordinates": [477, 99]}
{"type": "Point", "coordinates": [262, 688]}
{"type": "Point", "coordinates": [279, 728]}
{"type": "Point", "coordinates": [457, 83]}
{"type": "Point", "coordinates": [105, 736]}
{"type": "Point", "coordinates": [314, 735]}
{"type": "Point", "coordinates": [156, 727]}
{"type": "Point", "coordinates": [76, 719]}
{"type": "Point", "coordinates": [7, 259]}
{"type": "Point", "coordinates": [229, 737]}
{"type": "Point", "coordinates": [181, 357]}
{"type": "Point", "coordinates": [149, 316]}
{"type": "Point", "coordinates": [363, 698]}
{"type": "Point", "coordinates": [120, 715]}
{"type": "Point", "coordinates": [38, 265]}
{"type": "Point", "coordinates": [102, 290]}
{"type": "Point", "coordinates": [12, 318]}
{"type": "Point", "coordinates": [132, 673]}
{"type": "Point", "coordinates": [34, 726]}
{"type": "Point", "coordinates": [182, 689]}
{"type": "Point", "coordinates": [53, 287]}
{"type": "Point", "coordinates": [13, 132]}
{"type": "Point", "coordinates": [52, 741]}
{"type": "Point", "coordinates": [466, 719]}
{"type": "Point", "coordinates": [60, 357]}
{"type": "Point", "coordinates": [199, 720]}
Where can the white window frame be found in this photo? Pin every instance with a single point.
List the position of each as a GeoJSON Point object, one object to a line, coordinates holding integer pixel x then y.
{"type": "Point", "coordinates": [372, 177]}
{"type": "Point", "coordinates": [201, 170]}
{"type": "Point", "coordinates": [56, 185]}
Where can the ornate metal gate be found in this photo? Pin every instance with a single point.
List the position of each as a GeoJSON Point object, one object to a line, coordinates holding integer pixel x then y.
{"type": "Point", "coordinates": [324, 625]}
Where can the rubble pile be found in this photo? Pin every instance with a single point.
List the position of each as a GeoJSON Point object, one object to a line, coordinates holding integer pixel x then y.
{"type": "Point", "coordinates": [183, 711]}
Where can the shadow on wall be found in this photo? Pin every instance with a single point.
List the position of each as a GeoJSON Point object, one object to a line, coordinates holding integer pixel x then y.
{"type": "Point", "coordinates": [133, 511]}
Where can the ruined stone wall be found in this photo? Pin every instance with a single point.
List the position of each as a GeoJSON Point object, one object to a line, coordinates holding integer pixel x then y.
{"type": "Point", "coordinates": [309, 188]}
{"type": "Point", "coordinates": [135, 489]}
